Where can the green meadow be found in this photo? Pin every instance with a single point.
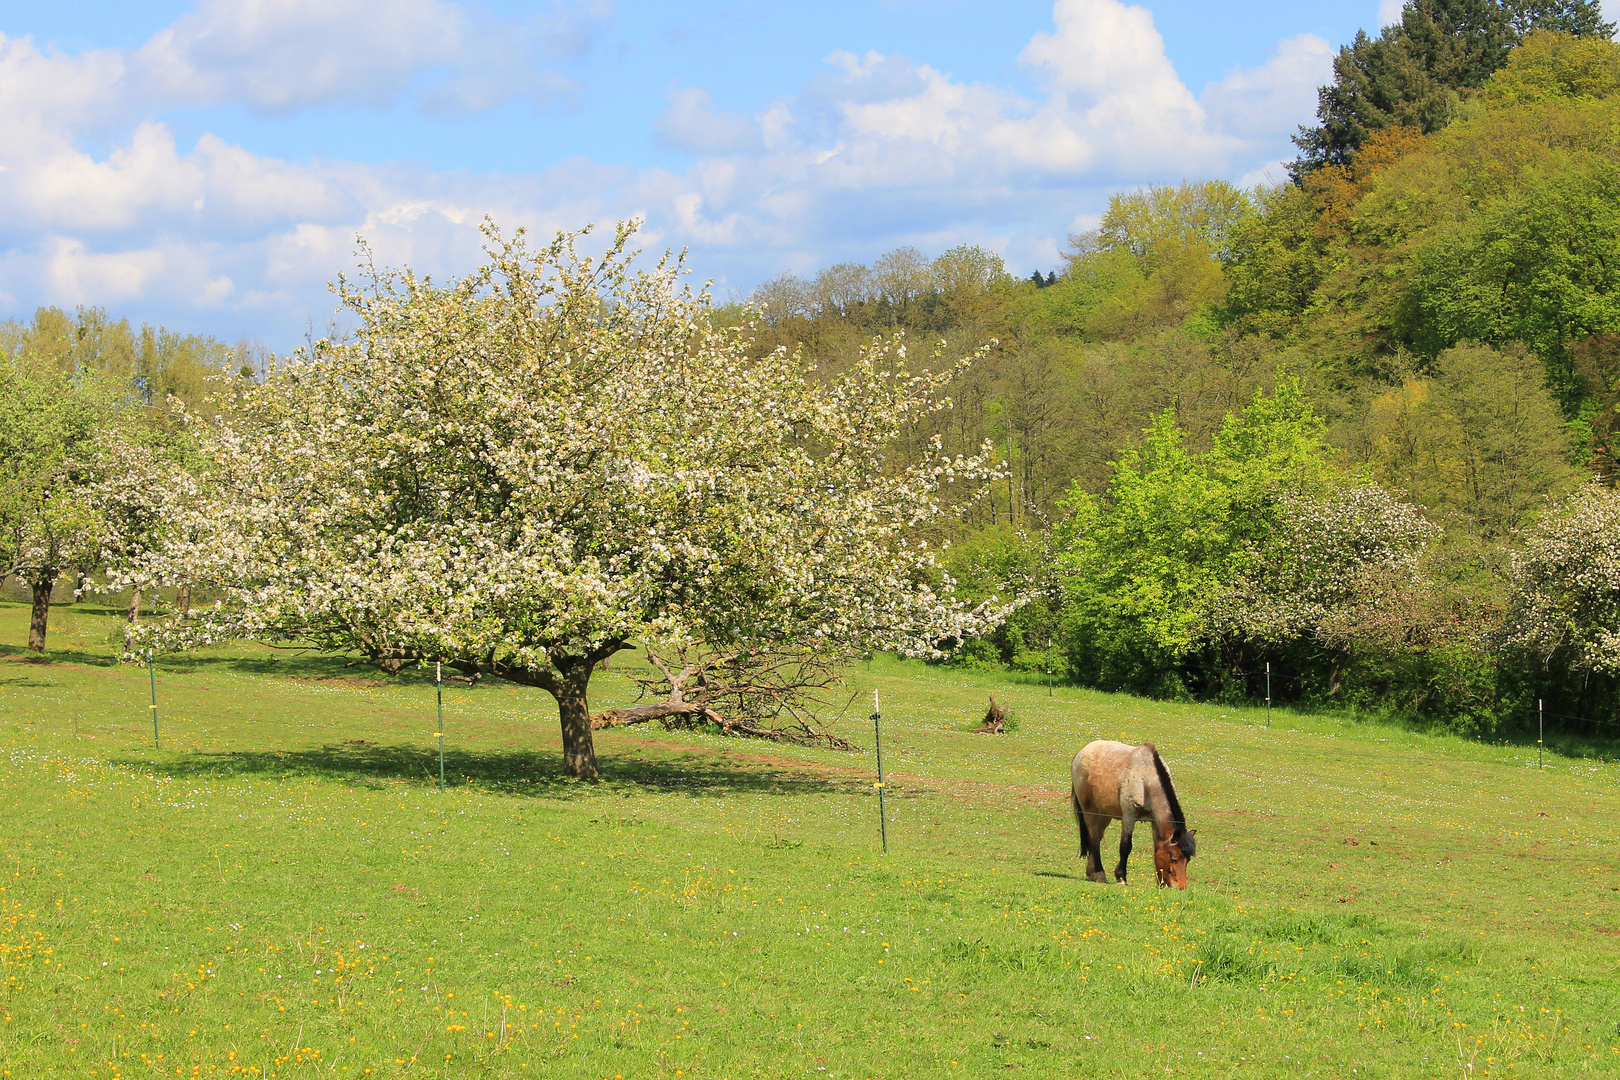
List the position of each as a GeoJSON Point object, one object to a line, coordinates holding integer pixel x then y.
{"type": "Point", "coordinates": [281, 890]}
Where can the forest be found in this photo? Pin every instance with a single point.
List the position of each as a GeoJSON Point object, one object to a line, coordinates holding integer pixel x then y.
{"type": "Point", "coordinates": [1359, 426]}
{"type": "Point", "coordinates": [1347, 441]}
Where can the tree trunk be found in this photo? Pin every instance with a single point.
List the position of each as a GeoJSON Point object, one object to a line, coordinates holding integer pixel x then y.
{"type": "Point", "coordinates": [574, 710]}
{"type": "Point", "coordinates": [42, 583]}
{"type": "Point", "coordinates": [568, 679]}
{"type": "Point", "coordinates": [640, 714]}
{"type": "Point", "coordinates": [182, 599]}
{"type": "Point", "coordinates": [134, 619]}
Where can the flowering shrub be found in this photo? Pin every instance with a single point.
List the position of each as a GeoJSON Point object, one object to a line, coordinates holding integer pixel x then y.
{"type": "Point", "coordinates": [1328, 568]}
{"type": "Point", "coordinates": [1564, 596]}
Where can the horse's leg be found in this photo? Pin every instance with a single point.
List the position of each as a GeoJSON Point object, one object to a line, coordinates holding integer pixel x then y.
{"type": "Point", "coordinates": [1095, 825]}
{"type": "Point", "coordinates": [1127, 826]}
{"type": "Point", "coordinates": [1080, 823]}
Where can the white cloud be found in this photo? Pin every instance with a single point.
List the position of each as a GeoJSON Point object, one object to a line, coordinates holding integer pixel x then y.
{"type": "Point", "coordinates": [1271, 174]}
{"type": "Point", "coordinates": [879, 151]}
{"type": "Point", "coordinates": [873, 152]}
{"type": "Point", "coordinates": [276, 55]}
{"type": "Point", "coordinates": [922, 150]}
{"type": "Point", "coordinates": [179, 270]}
{"type": "Point", "coordinates": [692, 125]}
{"type": "Point", "coordinates": [1110, 79]}
{"type": "Point", "coordinates": [72, 190]}
{"type": "Point", "coordinates": [1279, 93]}
{"type": "Point", "coordinates": [1389, 12]}
{"type": "Point", "coordinates": [44, 94]}
{"type": "Point", "coordinates": [147, 185]}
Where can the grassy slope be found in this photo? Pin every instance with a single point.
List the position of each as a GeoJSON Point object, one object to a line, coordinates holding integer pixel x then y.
{"type": "Point", "coordinates": [281, 890]}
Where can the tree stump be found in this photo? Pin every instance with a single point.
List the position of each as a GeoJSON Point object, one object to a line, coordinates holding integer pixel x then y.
{"type": "Point", "coordinates": [995, 720]}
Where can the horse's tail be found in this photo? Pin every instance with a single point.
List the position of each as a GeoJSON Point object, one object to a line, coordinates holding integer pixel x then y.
{"type": "Point", "coordinates": [1080, 820]}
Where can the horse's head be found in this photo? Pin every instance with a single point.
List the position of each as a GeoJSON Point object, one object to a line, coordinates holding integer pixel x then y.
{"type": "Point", "coordinates": [1170, 858]}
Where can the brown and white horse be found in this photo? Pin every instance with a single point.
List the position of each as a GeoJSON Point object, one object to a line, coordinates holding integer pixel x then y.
{"type": "Point", "coordinates": [1112, 781]}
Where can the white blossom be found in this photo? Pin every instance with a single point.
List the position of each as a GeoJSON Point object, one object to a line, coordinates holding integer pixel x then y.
{"type": "Point", "coordinates": [523, 471]}
{"type": "Point", "coordinates": [1564, 594]}
{"type": "Point", "coordinates": [1327, 556]}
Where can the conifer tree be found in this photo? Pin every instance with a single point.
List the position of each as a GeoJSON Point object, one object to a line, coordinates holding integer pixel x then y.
{"type": "Point", "coordinates": [1415, 70]}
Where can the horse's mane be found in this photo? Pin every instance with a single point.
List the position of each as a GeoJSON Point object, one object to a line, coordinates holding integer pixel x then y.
{"type": "Point", "coordinates": [1169, 791]}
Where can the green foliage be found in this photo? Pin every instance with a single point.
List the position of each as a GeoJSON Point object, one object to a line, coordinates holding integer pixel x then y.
{"type": "Point", "coordinates": [1442, 281]}
{"type": "Point", "coordinates": [151, 362]}
{"type": "Point", "coordinates": [967, 269]}
{"type": "Point", "coordinates": [1005, 564]}
{"type": "Point", "coordinates": [1320, 575]}
{"type": "Point", "coordinates": [1581, 18]}
{"type": "Point", "coordinates": [1274, 261]}
{"type": "Point", "coordinates": [1541, 267]}
{"type": "Point", "coordinates": [1564, 601]}
{"type": "Point", "coordinates": [1409, 76]}
{"type": "Point", "coordinates": [1596, 363]}
{"type": "Point", "coordinates": [1513, 445]}
{"type": "Point", "coordinates": [1556, 65]}
{"type": "Point", "coordinates": [1480, 441]}
{"type": "Point", "coordinates": [1158, 223]}
{"type": "Point", "coordinates": [902, 290]}
{"type": "Point", "coordinates": [50, 417]}
{"type": "Point", "coordinates": [1173, 238]}
{"type": "Point", "coordinates": [1135, 578]}
{"type": "Point", "coordinates": [1087, 298]}
{"type": "Point", "coordinates": [1142, 569]}
{"type": "Point", "coordinates": [1417, 70]}
{"type": "Point", "coordinates": [67, 384]}
{"type": "Point", "coordinates": [1498, 229]}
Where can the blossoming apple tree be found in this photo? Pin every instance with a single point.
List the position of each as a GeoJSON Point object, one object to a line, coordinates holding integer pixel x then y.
{"type": "Point", "coordinates": [526, 470]}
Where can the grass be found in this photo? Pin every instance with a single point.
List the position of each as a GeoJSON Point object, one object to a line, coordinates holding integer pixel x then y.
{"type": "Point", "coordinates": [282, 891]}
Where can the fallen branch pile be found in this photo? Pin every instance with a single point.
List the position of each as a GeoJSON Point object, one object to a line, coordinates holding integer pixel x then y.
{"type": "Point", "coordinates": [749, 694]}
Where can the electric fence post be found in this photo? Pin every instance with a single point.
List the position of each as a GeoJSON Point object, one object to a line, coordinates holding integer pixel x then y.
{"type": "Point", "coordinates": [1268, 695]}
{"type": "Point", "coordinates": [877, 742]}
{"type": "Point", "coordinates": [151, 677]}
{"type": "Point", "coordinates": [1541, 730]}
{"type": "Point", "coordinates": [438, 686]}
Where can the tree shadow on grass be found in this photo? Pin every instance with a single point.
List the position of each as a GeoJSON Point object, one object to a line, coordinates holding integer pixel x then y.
{"type": "Point", "coordinates": [54, 655]}
{"type": "Point", "coordinates": [24, 680]}
{"type": "Point", "coordinates": [536, 774]}
{"type": "Point", "coordinates": [288, 663]}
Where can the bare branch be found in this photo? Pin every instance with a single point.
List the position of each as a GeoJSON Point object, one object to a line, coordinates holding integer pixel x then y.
{"type": "Point", "coordinates": [763, 693]}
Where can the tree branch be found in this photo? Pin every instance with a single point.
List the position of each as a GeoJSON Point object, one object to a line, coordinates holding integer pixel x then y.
{"type": "Point", "coordinates": [761, 694]}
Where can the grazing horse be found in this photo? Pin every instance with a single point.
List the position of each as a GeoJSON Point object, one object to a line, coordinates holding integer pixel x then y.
{"type": "Point", "coordinates": [1111, 780]}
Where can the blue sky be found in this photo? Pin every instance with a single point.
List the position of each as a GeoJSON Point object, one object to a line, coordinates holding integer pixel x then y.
{"type": "Point", "coordinates": [208, 164]}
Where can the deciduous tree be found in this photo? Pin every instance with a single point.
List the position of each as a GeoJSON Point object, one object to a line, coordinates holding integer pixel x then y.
{"type": "Point", "coordinates": [1144, 568]}
{"type": "Point", "coordinates": [527, 470]}
{"type": "Point", "coordinates": [49, 521]}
